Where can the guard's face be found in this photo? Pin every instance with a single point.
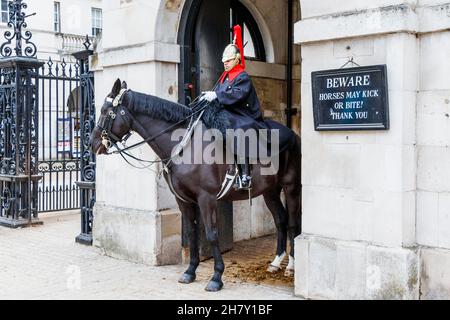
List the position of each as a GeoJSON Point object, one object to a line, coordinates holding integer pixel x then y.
{"type": "Point", "coordinates": [229, 64]}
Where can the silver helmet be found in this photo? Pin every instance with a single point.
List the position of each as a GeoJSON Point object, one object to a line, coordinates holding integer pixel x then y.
{"type": "Point", "coordinates": [231, 52]}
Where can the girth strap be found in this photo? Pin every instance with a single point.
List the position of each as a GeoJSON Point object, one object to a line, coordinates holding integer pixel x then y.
{"type": "Point", "coordinates": [228, 181]}
{"type": "Point", "coordinates": [170, 183]}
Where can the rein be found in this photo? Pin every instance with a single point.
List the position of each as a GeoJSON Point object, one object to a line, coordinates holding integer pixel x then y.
{"type": "Point", "coordinates": [107, 134]}
{"type": "Point", "coordinates": [150, 139]}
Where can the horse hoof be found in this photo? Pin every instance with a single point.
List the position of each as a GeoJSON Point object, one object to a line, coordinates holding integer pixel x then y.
{"type": "Point", "coordinates": [187, 278]}
{"type": "Point", "coordinates": [289, 273]}
{"type": "Point", "coordinates": [272, 269]}
{"type": "Point", "coordinates": [214, 286]}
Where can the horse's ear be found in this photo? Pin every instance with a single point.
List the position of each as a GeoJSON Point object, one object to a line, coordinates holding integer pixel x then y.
{"type": "Point", "coordinates": [124, 85]}
{"type": "Point", "coordinates": [116, 88]}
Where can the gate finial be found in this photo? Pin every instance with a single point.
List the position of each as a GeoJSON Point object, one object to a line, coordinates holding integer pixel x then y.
{"type": "Point", "coordinates": [17, 22]}
{"type": "Point", "coordinates": [87, 43]}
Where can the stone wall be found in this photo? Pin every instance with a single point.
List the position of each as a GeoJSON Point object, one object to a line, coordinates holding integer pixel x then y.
{"type": "Point", "coordinates": [131, 204]}
{"type": "Point", "coordinates": [370, 198]}
{"type": "Point", "coordinates": [433, 140]}
{"type": "Point", "coordinates": [433, 154]}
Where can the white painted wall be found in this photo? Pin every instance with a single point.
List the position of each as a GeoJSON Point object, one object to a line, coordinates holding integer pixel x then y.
{"type": "Point", "coordinates": [357, 185]}
{"type": "Point", "coordinates": [128, 198]}
{"type": "Point", "coordinates": [433, 132]}
{"type": "Point", "coordinates": [382, 192]}
{"type": "Point", "coordinates": [149, 67]}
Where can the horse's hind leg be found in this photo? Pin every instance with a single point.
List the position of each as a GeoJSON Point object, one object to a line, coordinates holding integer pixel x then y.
{"type": "Point", "coordinates": [208, 211]}
{"type": "Point", "coordinates": [293, 196]}
{"type": "Point", "coordinates": [189, 217]}
{"type": "Point", "coordinates": [273, 202]}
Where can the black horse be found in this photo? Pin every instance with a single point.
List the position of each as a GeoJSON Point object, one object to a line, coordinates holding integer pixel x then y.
{"type": "Point", "coordinates": [198, 184]}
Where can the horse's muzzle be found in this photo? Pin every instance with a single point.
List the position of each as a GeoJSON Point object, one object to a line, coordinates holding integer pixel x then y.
{"type": "Point", "coordinates": [96, 143]}
{"type": "Point", "coordinates": [106, 143]}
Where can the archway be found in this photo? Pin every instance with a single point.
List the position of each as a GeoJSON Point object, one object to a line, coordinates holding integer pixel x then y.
{"type": "Point", "coordinates": [203, 35]}
{"type": "Point", "coordinates": [204, 31]}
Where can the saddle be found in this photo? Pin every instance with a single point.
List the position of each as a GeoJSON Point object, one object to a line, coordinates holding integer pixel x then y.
{"type": "Point", "coordinates": [216, 117]}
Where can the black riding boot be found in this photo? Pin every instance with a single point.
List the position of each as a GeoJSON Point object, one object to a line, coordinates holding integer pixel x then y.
{"type": "Point", "coordinates": [246, 179]}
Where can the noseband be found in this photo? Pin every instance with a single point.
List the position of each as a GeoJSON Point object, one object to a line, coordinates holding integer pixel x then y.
{"type": "Point", "coordinates": [108, 137]}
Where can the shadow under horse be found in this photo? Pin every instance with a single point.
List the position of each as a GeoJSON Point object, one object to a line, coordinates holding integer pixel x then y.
{"type": "Point", "coordinates": [124, 111]}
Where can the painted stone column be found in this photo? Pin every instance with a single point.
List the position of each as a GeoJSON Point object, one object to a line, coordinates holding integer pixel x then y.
{"type": "Point", "coordinates": [135, 216]}
{"type": "Point", "coordinates": [433, 154]}
{"type": "Point", "coordinates": [375, 202]}
{"type": "Point", "coordinates": [359, 186]}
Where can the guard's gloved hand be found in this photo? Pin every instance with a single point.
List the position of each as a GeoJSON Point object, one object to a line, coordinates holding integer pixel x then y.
{"type": "Point", "coordinates": [209, 96]}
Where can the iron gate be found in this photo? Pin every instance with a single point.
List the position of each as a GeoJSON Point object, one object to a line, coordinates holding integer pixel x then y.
{"type": "Point", "coordinates": [59, 136]}
{"type": "Point", "coordinates": [66, 118]}
{"type": "Point", "coordinates": [86, 183]}
{"type": "Point", "coordinates": [47, 113]}
{"type": "Point", "coordinates": [18, 141]}
{"type": "Point", "coordinates": [19, 105]}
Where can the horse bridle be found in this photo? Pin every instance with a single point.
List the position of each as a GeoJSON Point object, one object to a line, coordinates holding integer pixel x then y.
{"type": "Point", "coordinates": [108, 137]}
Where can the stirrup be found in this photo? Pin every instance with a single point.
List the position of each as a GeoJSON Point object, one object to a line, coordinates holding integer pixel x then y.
{"type": "Point", "coordinates": [241, 185]}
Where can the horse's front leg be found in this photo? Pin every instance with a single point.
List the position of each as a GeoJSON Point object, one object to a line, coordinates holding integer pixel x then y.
{"type": "Point", "coordinates": [189, 217]}
{"type": "Point", "coordinates": [208, 211]}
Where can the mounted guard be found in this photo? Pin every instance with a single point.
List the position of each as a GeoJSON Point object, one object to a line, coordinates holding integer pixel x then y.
{"type": "Point", "coordinates": [233, 99]}
{"type": "Point", "coordinates": [235, 91]}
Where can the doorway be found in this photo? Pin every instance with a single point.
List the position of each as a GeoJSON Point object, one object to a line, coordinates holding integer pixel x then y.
{"type": "Point", "coordinates": [205, 30]}
{"type": "Point", "coordinates": [206, 33]}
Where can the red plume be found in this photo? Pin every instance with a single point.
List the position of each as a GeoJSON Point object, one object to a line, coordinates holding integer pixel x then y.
{"type": "Point", "coordinates": [238, 42]}
{"type": "Point", "coordinates": [238, 69]}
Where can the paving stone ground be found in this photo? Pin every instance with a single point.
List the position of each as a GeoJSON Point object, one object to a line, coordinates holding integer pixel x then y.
{"type": "Point", "coordinates": [45, 263]}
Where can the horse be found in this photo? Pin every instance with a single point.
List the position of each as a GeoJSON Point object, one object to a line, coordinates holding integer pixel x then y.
{"type": "Point", "coordinates": [125, 111]}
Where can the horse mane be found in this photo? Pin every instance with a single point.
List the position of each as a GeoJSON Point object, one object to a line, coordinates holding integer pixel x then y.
{"type": "Point", "coordinates": [158, 108]}
{"type": "Point", "coordinates": [214, 116]}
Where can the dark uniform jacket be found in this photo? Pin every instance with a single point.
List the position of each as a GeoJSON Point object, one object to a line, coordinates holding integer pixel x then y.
{"type": "Point", "coordinates": [240, 100]}
{"type": "Point", "coordinates": [244, 112]}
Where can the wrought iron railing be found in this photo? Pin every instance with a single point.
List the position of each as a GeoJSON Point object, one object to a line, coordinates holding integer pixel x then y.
{"type": "Point", "coordinates": [47, 113]}
{"type": "Point", "coordinates": [60, 134]}
{"type": "Point", "coordinates": [18, 41]}
{"type": "Point", "coordinates": [19, 106]}
{"type": "Point", "coordinates": [88, 159]}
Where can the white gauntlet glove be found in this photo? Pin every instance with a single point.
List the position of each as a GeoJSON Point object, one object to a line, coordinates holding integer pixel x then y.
{"type": "Point", "coordinates": [209, 96]}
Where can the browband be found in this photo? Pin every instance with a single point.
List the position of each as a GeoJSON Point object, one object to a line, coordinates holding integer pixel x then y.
{"type": "Point", "coordinates": [118, 100]}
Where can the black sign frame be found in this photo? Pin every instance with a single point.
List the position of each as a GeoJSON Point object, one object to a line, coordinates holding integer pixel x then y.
{"type": "Point", "coordinates": [321, 124]}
